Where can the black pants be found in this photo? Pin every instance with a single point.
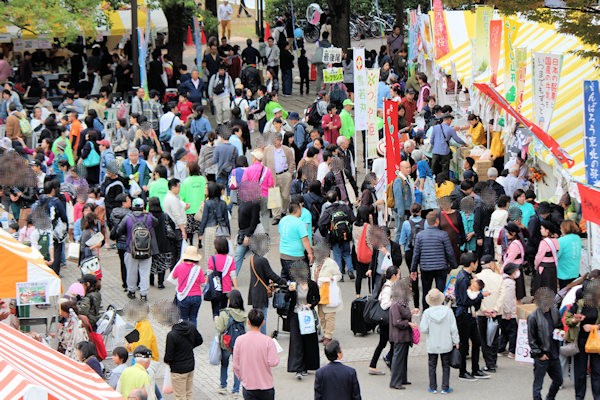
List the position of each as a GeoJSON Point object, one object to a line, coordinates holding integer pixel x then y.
{"type": "Point", "coordinates": [408, 256]}
{"type": "Point", "coordinates": [123, 267]}
{"type": "Point", "coordinates": [399, 364]}
{"type": "Point", "coordinates": [440, 163]}
{"type": "Point", "coordinates": [427, 278]}
{"type": "Point", "coordinates": [58, 251]}
{"type": "Point", "coordinates": [490, 353]}
{"type": "Point", "coordinates": [580, 368]}
{"type": "Point", "coordinates": [467, 330]}
{"type": "Point", "coordinates": [564, 282]}
{"type": "Point", "coordinates": [218, 304]}
{"type": "Point", "coordinates": [285, 269]}
{"type": "Point", "coordinates": [268, 394]}
{"type": "Point", "coordinates": [433, 360]}
{"type": "Point", "coordinates": [361, 270]}
{"type": "Point", "coordinates": [384, 338]}
{"type": "Point", "coordinates": [508, 335]}
{"type": "Point", "coordinates": [552, 368]}
{"type": "Point", "coordinates": [304, 81]}
{"type": "Point", "coordinates": [244, 8]}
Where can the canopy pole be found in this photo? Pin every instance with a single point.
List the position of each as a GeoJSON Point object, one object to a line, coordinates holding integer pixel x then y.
{"type": "Point", "coordinates": [134, 43]}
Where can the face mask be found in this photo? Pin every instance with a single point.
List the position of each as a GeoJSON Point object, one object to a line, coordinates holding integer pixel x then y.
{"type": "Point", "coordinates": [517, 274]}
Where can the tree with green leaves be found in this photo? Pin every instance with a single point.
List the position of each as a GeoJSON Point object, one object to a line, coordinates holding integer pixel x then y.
{"type": "Point", "coordinates": [575, 17]}
{"type": "Point", "coordinates": [53, 18]}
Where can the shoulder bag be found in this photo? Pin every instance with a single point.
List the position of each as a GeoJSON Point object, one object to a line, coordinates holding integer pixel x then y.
{"type": "Point", "coordinates": [270, 288]}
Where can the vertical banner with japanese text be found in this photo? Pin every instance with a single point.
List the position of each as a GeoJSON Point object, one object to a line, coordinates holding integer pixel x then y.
{"type": "Point", "coordinates": [142, 54]}
{"type": "Point", "coordinates": [481, 60]}
{"type": "Point", "coordinates": [360, 89]}
{"type": "Point", "coordinates": [590, 207]}
{"type": "Point", "coordinates": [392, 142]}
{"type": "Point", "coordinates": [591, 120]}
{"type": "Point", "coordinates": [546, 75]}
{"type": "Point", "coordinates": [439, 30]}
{"type": "Point", "coordinates": [495, 43]}
{"type": "Point", "coordinates": [372, 131]}
{"type": "Point", "coordinates": [511, 27]}
{"type": "Point", "coordinates": [521, 62]}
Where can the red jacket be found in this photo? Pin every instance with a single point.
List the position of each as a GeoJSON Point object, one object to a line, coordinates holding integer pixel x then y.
{"type": "Point", "coordinates": [331, 135]}
{"type": "Point", "coordinates": [411, 109]}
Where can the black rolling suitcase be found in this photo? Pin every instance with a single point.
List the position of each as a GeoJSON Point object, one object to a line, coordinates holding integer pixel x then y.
{"type": "Point", "coordinates": [357, 321]}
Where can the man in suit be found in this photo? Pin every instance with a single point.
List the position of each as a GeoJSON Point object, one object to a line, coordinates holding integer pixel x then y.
{"type": "Point", "coordinates": [336, 380]}
{"type": "Point", "coordinates": [280, 160]}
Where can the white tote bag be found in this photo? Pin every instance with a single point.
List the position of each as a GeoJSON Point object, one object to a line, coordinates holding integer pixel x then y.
{"type": "Point", "coordinates": [335, 297]}
{"type": "Point", "coordinates": [306, 320]}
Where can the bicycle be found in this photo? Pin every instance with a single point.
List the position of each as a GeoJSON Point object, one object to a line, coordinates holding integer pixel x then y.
{"type": "Point", "coordinates": [312, 29]}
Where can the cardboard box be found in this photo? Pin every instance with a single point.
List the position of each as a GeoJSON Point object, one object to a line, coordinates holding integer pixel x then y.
{"type": "Point", "coordinates": [523, 310]}
{"type": "Point", "coordinates": [481, 167]}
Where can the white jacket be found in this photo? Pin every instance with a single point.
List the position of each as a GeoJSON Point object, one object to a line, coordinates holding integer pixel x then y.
{"type": "Point", "coordinates": [493, 284]}
{"type": "Point", "coordinates": [440, 325]}
{"type": "Point", "coordinates": [329, 271]}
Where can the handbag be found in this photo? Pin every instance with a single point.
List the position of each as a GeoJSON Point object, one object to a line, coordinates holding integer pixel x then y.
{"type": "Point", "coordinates": [455, 358]}
{"type": "Point", "coordinates": [214, 351]}
{"type": "Point", "coordinates": [222, 229]}
{"type": "Point", "coordinates": [93, 158]}
{"type": "Point", "coordinates": [279, 302]}
{"type": "Point", "coordinates": [364, 253]}
{"type": "Point", "coordinates": [167, 387]}
{"type": "Point", "coordinates": [91, 265]}
{"type": "Point", "coordinates": [592, 345]}
{"type": "Point", "coordinates": [274, 198]}
{"type": "Point", "coordinates": [324, 293]}
{"type": "Point", "coordinates": [335, 296]}
{"type": "Point", "coordinates": [306, 320]}
{"type": "Point", "coordinates": [73, 251]}
{"type": "Point", "coordinates": [492, 328]}
{"type": "Point", "coordinates": [416, 335]}
{"type": "Point", "coordinates": [569, 349]}
{"type": "Point", "coordinates": [373, 314]}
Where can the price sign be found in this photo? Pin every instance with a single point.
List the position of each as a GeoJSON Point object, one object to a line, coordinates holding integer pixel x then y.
{"type": "Point", "coordinates": [523, 351]}
{"type": "Point", "coordinates": [333, 75]}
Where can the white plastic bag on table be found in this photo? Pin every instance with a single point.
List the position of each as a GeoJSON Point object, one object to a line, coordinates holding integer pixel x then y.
{"type": "Point", "coordinates": [477, 151]}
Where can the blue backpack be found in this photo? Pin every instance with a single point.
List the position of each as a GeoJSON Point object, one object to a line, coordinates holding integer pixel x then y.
{"type": "Point", "coordinates": [234, 330]}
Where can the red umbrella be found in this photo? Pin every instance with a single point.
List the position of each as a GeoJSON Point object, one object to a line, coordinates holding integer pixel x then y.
{"type": "Point", "coordinates": [267, 32]}
{"type": "Point", "coordinates": [189, 41]}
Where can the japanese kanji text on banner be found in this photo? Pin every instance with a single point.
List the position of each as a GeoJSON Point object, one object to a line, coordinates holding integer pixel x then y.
{"type": "Point", "coordinates": [546, 73]}
{"type": "Point", "coordinates": [392, 142]}
{"type": "Point", "coordinates": [372, 132]}
{"type": "Point", "coordinates": [591, 119]}
{"type": "Point", "coordinates": [360, 90]}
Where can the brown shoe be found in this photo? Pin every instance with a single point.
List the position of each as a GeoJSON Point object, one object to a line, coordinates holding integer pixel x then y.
{"type": "Point", "coordinates": [326, 341]}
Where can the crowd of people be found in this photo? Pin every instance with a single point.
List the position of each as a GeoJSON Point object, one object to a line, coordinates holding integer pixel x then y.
{"type": "Point", "coordinates": [162, 188]}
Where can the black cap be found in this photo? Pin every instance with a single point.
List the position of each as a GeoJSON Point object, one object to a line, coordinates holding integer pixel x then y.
{"type": "Point", "coordinates": [411, 91]}
{"type": "Point", "coordinates": [486, 259]}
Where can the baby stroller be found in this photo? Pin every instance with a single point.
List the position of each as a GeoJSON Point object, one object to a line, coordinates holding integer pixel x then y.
{"type": "Point", "coordinates": [113, 328]}
{"type": "Point", "coordinates": [282, 306]}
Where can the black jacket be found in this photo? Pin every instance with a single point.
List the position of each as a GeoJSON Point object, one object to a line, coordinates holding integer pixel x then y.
{"type": "Point", "coordinates": [312, 298]}
{"type": "Point", "coordinates": [286, 60]}
{"type": "Point", "coordinates": [313, 203]}
{"type": "Point", "coordinates": [336, 381]}
{"type": "Point", "coordinates": [498, 188]}
{"type": "Point", "coordinates": [395, 251]}
{"type": "Point", "coordinates": [179, 350]}
{"type": "Point", "coordinates": [463, 301]}
{"type": "Point", "coordinates": [326, 214]}
{"type": "Point", "coordinates": [257, 293]}
{"type": "Point", "coordinates": [214, 213]}
{"type": "Point", "coordinates": [538, 333]}
{"type": "Point", "coordinates": [115, 218]}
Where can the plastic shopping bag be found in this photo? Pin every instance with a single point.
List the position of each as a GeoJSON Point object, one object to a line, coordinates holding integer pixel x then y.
{"type": "Point", "coordinates": [592, 345]}
{"type": "Point", "coordinates": [214, 352]}
{"type": "Point", "coordinates": [306, 320]}
{"type": "Point", "coordinates": [167, 387]}
{"type": "Point", "coordinates": [335, 297]}
{"type": "Point", "coordinates": [492, 328]}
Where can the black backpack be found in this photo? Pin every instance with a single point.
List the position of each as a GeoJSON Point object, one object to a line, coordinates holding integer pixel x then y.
{"type": "Point", "coordinates": [415, 228]}
{"type": "Point", "coordinates": [141, 241]}
{"type": "Point", "coordinates": [340, 228]}
{"type": "Point", "coordinates": [219, 87]}
{"type": "Point", "coordinates": [312, 115]}
{"type": "Point", "coordinates": [282, 40]}
{"type": "Point", "coordinates": [233, 330]}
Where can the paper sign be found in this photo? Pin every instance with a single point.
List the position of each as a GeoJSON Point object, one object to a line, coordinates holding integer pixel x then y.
{"type": "Point", "coordinates": [546, 75]}
{"type": "Point", "coordinates": [332, 55]}
{"type": "Point", "coordinates": [523, 351]}
{"type": "Point", "coordinates": [31, 293]}
{"type": "Point", "coordinates": [333, 75]}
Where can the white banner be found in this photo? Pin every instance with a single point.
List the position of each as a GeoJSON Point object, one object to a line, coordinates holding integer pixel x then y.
{"type": "Point", "coordinates": [546, 76]}
{"type": "Point", "coordinates": [523, 351]}
{"type": "Point", "coordinates": [372, 131]}
{"type": "Point", "coordinates": [360, 90]}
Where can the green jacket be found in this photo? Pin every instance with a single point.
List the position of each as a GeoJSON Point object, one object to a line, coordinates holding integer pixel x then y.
{"type": "Point", "coordinates": [347, 130]}
{"type": "Point", "coordinates": [223, 319]}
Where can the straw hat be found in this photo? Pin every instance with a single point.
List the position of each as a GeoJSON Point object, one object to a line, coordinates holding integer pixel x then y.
{"type": "Point", "coordinates": [191, 253]}
{"type": "Point", "coordinates": [434, 297]}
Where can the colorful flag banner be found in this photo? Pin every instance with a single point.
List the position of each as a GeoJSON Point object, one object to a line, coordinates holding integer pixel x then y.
{"type": "Point", "coordinates": [591, 120]}
{"type": "Point", "coordinates": [495, 42]}
{"type": "Point", "coordinates": [360, 89]}
{"type": "Point", "coordinates": [546, 76]}
{"type": "Point", "coordinates": [442, 46]}
{"type": "Point", "coordinates": [392, 142]}
{"type": "Point", "coordinates": [511, 27]}
{"type": "Point", "coordinates": [481, 53]}
{"type": "Point", "coordinates": [333, 75]}
{"type": "Point", "coordinates": [521, 62]}
{"type": "Point", "coordinates": [372, 131]}
{"type": "Point", "coordinates": [142, 54]}
{"type": "Point", "coordinates": [590, 206]}
{"type": "Point", "coordinates": [548, 141]}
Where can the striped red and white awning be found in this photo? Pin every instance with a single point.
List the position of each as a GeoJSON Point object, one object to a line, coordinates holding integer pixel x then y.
{"type": "Point", "coordinates": [27, 367]}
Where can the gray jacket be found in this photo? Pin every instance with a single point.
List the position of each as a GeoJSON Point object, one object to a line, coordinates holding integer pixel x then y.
{"type": "Point", "coordinates": [433, 251]}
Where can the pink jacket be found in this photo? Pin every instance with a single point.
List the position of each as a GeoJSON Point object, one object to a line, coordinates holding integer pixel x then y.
{"type": "Point", "coordinates": [253, 174]}
{"type": "Point", "coordinates": [545, 248]}
{"type": "Point", "coordinates": [254, 356]}
{"type": "Point", "coordinates": [515, 253]}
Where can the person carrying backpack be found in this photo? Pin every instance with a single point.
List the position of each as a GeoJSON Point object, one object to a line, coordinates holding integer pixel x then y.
{"type": "Point", "coordinates": [230, 324]}
{"type": "Point", "coordinates": [410, 228]}
{"type": "Point", "coordinates": [335, 224]}
{"type": "Point", "coordinates": [141, 246]}
{"type": "Point", "coordinates": [222, 278]}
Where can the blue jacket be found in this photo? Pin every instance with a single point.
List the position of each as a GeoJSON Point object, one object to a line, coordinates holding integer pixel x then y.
{"type": "Point", "coordinates": [144, 172]}
{"type": "Point", "coordinates": [194, 95]}
{"type": "Point", "coordinates": [433, 251]}
{"type": "Point", "coordinates": [440, 139]}
{"type": "Point", "coordinates": [403, 195]}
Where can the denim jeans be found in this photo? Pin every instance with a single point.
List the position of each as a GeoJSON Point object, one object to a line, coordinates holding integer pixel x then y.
{"type": "Point", "coordinates": [398, 221]}
{"type": "Point", "coordinates": [286, 75]}
{"type": "Point", "coordinates": [188, 308]}
{"type": "Point", "coordinates": [342, 251]}
{"type": "Point", "coordinates": [263, 328]}
{"type": "Point", "coordinates": [240, 254]}
{"type": "Point", "coordinates": [224, 366]}
{"type": "Point", "coordinates": [540, 368]}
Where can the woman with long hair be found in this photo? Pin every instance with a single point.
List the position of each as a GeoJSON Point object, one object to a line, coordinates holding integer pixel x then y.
{"type": "Point", "coordinates": [515, 253]}
{"type": "Point", "coordinates": [165, 237]}
{"type": "Point", "coordinates": [223, 263]}
{"type": "Point", "coordinates": [233, 314]}
{"type": "Point", "coordinates": [208, 167]}
{"type": "Point", "coordinates": [569, 256]}
{"type": "Point", "coordinates": [546, 259]}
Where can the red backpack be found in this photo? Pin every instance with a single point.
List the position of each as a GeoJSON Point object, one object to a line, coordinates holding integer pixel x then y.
{"type": "Point", "coordinates": [364, 252]}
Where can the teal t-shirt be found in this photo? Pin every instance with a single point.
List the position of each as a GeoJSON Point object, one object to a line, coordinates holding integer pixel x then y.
{"type": "Point", "coordinates": [306, 217]}
{"type": "Point", "coordinates": [158, 188]}
{"type": "Point", "coordinates": [527, 211]}
{"type": "Point", "coordinates": [569, 256]}
{"type": "Point", "coordinates": [193, 192]}
{"type": "Point", "coordinates": [291, 230]}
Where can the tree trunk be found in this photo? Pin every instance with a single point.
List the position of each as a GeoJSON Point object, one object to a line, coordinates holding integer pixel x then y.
{"type": "Point", "coordinates": [399, 8]}
{"type": "Point", "coordinates": [340, 23]}
{"type": "Point", "coordinates": [175, 14]}
{"type": "Point", "coordinates": [211, 5]}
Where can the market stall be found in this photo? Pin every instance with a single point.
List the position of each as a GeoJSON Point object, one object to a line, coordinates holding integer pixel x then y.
{"type": "Point", "coordinates": [24, 372]}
